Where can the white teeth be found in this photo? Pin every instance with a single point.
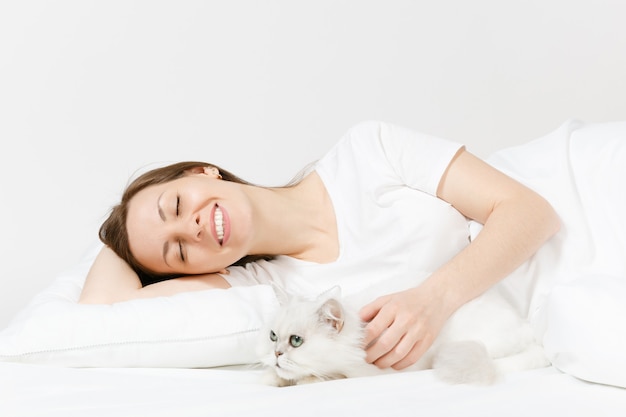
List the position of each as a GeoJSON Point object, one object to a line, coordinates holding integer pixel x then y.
{"type": "Point", "coordinates": [219, 224]}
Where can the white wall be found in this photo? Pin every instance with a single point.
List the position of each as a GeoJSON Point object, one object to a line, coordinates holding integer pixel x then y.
{"type": "Point", "coordinates": [92, 90]}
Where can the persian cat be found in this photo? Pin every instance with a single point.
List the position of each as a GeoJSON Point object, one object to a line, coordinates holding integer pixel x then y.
{"type": "Point", "coordinates": [321, 339]}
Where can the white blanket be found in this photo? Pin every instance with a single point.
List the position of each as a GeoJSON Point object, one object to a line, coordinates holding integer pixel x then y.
{"type": "Point", "coordinates": [574, 288]}
{"type": "Point", "coordinates": [36, 390]}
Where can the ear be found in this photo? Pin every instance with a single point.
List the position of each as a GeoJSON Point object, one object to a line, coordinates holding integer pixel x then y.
{"type": "Point", "coordinates": [333, 292]}
{"type": "Point", "coordinates": [331, 313]}
{"type": "Point", "coordinates": [210, 171]}
{"type": "Point", "coordinates": [281, 295]}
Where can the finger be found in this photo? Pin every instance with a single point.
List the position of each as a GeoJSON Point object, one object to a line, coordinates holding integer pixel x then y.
{"type": "Point", "coordinates": [397, 353]}
{"type": "Point", "coordinates": [375, 329]}
{"type": "Point", "coordinates": [409, 336]}
{"type": "Point", "coordinates": [415, 354]}
{"type": "Point", "coordinates": [377, 322]}
{"type": "Point", "coordinates": [385, 343]}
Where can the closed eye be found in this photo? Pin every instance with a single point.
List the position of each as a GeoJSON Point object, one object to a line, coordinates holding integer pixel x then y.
{"type": "Point", "coordinates": [180, 249]}
{"type": "Point", "coordinates": [180, 243]}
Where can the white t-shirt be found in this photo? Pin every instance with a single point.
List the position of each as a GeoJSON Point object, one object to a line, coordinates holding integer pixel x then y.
{"type": "Point", "coordinates": [382, 180]}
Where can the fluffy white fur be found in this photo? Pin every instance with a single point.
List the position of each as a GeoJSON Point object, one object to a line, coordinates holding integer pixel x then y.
{"type": "Point", "coordinates": [483, 339]}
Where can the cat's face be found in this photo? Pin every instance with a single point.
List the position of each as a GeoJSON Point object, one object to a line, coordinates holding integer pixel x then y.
{"type": "Point", "coordinates": [300, 339]}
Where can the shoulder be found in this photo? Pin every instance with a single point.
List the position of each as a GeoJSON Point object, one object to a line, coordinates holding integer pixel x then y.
{"type": "Point", "coordinates": [368, 129]}
{"type": "Point", "coordinates": [364, 136]}
{"type": "Point", "coordinates": [397, 142]}
{"type": "Point", "coordinates": [391, 134]}
{"type": "Point", "coordinates": [367, 126]}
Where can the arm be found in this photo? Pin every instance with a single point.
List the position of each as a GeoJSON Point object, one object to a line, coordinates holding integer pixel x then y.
{"type": "Point", "coordinates": [517, 221]}
{"type": "Point", "coordinates": [111, 280]}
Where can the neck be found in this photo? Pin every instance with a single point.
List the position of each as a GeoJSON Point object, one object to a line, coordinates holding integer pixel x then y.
{"type": "Point", "coordinates": [297, 221]}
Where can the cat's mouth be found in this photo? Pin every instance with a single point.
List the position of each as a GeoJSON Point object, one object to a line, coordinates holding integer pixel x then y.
{"type": "Point", "coordinates": [283, 373]}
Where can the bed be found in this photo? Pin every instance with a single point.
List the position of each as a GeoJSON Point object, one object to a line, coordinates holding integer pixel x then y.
{"type": "Point", "coordinates": [158, 357]}
{"type": "Point", "coordinates": [194, 353]}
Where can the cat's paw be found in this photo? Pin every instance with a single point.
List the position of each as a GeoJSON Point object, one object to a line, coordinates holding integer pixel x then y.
{"type": "Point", "coordinates": [270, 378]}
{"type": "Point", "coordinates": [308, 380]}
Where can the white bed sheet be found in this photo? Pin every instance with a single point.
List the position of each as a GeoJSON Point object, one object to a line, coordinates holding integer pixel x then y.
{"type": "Point", "coordinates": [38, 390]}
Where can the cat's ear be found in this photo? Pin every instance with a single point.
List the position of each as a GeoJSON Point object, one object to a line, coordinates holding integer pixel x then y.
{"type": "Point", "coordinates": [331, 313]}
{"type": "Point", "coordinates": [332, 292]}
{"type": "Point", "coordinates": [281, 295]}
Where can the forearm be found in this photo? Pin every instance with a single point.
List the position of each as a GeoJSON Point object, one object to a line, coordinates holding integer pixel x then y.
{"type": "Point", "coordinates": [181, 285]}
{"type": "Point", "coordinates": [111, 280]}
{"type": "Point", "coordinates": [515, 229]}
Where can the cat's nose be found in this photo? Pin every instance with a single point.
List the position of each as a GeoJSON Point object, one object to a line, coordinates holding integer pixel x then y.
{"type": "Point", "coordinates": [278, 353]}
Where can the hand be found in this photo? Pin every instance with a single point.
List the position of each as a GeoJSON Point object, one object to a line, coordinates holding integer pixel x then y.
{"type": "Point", "coordinates": [402, 326]}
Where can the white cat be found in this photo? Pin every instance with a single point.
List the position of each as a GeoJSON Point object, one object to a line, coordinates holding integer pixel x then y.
{"type": "Point", "coordinates": [320, 339]}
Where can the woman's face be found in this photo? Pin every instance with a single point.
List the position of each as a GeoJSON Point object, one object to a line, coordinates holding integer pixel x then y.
{"type": "Point", "coordinates": [193, 225]}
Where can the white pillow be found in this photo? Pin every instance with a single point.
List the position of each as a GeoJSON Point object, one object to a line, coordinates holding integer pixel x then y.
{"type": "Point", "coordinates": [586, 329]}
{"type": "Point", "coordinates": [196, 329]}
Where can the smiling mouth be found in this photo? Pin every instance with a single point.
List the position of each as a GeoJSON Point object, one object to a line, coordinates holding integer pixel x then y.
{"type": "Point", "coordinates": [218, 218]}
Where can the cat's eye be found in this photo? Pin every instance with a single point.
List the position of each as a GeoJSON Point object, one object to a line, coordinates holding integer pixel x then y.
{"type": "Point", "coordinates": [273, 336]}
{"type": "Point", "coordinates": [296, 341]}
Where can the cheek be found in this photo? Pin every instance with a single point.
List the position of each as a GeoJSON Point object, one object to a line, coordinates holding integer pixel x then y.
{"type": "Point", "coordinates": [240, 223]}
{"type": "Point", "coordinates": [203, 260]}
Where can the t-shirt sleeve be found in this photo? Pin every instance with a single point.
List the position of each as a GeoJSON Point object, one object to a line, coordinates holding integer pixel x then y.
{"type": "Point", "coordinates": [418, 160]}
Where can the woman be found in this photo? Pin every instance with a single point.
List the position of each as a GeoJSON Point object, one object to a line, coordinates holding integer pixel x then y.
{"type": "Point", "coordinates": [384, 202]}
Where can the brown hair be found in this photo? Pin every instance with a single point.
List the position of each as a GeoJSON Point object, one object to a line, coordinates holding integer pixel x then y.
{"type": "Point", "coordinates": [114, 233]}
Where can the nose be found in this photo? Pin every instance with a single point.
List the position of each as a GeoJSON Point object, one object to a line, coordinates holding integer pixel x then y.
{"type": "Point", "coordinates": [193, 228]}
{"type": "Point", "coordinates": [277, 353]}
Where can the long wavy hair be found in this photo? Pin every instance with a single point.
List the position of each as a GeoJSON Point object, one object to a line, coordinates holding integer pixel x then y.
{"type": "Point", "coordinates": [114, 232]}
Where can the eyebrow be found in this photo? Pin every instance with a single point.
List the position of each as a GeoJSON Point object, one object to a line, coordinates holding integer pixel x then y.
{"type": "Point", "coordinates": [166, 244]}
{"type": "Point", "coordinates": [161, 212]}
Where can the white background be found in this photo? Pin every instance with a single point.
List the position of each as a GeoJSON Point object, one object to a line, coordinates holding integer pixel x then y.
{"type": "Point", "coordinates": [91, 91]}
